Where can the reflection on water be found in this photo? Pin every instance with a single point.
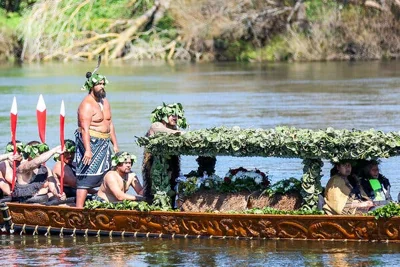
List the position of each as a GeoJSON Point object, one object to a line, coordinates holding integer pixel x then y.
{"type": "Point", "coordinates": [358, 95]}
{"type": "Point", "coordinates": [105, 251]}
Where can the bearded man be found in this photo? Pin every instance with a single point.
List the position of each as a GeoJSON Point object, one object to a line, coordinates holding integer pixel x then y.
{"type": "Point", "coordinates": [94, 136]}
{"type": "Point", "coordinates": [118, 181]}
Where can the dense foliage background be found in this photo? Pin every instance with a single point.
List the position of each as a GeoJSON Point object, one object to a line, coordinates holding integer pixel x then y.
{"type": "Point", "coordinates": [199, 30]}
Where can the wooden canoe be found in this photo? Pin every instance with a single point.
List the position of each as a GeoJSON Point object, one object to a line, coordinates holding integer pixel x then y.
{"type": "Point", "coordinates": [38, 219]}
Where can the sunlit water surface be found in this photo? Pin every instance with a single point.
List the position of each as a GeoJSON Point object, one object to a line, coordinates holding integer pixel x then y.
{"type": "Point", "coordinates": [105, 251]}
{"type": "Point", "coordinates": [341, 95]}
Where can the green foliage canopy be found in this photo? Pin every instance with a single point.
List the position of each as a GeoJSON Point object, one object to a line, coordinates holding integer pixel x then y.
{"type": "Point", "coordinates": [283, 141]}
{"type": "Point", "coordinates": [287, 142]}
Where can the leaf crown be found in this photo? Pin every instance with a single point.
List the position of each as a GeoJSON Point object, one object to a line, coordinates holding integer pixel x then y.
{"type": "Point", "coordinates": [70, 147]}
{"type": "Point", "coordinates": [121, 157]}
{"type": "Point", "coordinates": [32, 151]}
{"type": "Point", "coordinates": [161, 113]}
{"type": "Point", "coordinates": [93, 80]}
{"type": "Point", "coordinates": [10, 147]}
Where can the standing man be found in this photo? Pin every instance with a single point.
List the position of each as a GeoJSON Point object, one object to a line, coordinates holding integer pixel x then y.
{"type": "Point", "coordinates": [165, 119]}
{"type": "Point", "coordinates": [93, 136]}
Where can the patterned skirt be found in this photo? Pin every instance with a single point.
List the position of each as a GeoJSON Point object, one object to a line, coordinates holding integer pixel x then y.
{"type": "Point", "coordinates": [91, 175]}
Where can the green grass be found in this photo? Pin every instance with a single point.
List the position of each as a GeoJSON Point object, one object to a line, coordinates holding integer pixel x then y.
{"type": "Point", "coordinates": [10, 20]}
{"type": "Point", "coordinates": [316, 8]}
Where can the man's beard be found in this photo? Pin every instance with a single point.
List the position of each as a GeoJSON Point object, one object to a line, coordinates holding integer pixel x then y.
{"type": "Point", "coordinates": [100, 94]}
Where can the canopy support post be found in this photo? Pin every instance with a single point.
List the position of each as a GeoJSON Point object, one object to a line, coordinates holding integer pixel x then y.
{"type": "Point", "coordinates": [311, 183]}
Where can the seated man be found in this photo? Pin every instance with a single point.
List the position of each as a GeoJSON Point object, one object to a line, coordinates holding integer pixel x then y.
{"type": "Point", "coordinates": [69, 173]}
{"type": "Point", "coordinates": [375, 185]}
{"type": "Point", "coordinates": [32, 184]}
{"type": "Point", "coordinates": [6, 165]}
{"type": "Point", "coordinates": [69, 170]}
{"type": "Point", "coordinates": [118, 180]}
{"type": "Point", "coordinates": [341, 197]}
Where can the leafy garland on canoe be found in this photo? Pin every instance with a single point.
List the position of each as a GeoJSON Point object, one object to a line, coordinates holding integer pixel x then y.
{"type": "Point", "coordinates": [390, 210]}
{"type": "Point", "coordinates": [287, 142]}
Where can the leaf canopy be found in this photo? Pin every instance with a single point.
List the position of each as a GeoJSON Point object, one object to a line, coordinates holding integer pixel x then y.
{"type": "Point", "coordinates": [287, 142]}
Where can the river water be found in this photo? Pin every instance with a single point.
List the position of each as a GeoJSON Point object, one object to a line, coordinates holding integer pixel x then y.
{"type": "Point", "coordinates": [341, 95]}
{"type": "Point", "coordinates": [104, 251]}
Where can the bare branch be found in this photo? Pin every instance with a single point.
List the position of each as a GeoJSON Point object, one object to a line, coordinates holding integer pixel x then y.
{"type": "Point", "coordinates": [126, 35]}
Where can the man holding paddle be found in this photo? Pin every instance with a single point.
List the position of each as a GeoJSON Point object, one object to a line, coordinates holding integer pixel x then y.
{"type": "Point", "coordinates": [32, 177]}
{"type": "Point", "coordinates": [68, 177]}
{"type": "Point", "coordinates": [94, 136]}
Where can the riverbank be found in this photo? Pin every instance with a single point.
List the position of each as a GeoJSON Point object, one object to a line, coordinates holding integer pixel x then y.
{"type": "Point", "coordinates": [209, 30]}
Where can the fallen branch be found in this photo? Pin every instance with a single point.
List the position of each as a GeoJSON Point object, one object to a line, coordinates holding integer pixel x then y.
{"type": "Point", "coordinates": [118, 22]}
{"type": "Point", "coordinates": [373, 4]}
{"type": "Point", "coordinates": [172, 50]}
{"type": "Point", "coordinates": [80, 44]}
{"type": "Point", "coordinates": [126, 35]}
{"type": "Point", "coordinates": [90, 40]}
{"type": "Point", "coordinates": [294, 10]}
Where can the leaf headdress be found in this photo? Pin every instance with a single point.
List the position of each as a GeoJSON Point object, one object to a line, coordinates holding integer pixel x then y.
{"type": "Point", "coordinates": [92, 80]}
{"type": "Point", "coordinates": [20, 147]}
{"type": "Point", "coordinates": [70, 147]}
{"type": "Point", "coordinates": [161, 113]}
{"type": "Point", "coordinates": [121, 157]}
{"type": "Point", "coordinates": [32, 151]}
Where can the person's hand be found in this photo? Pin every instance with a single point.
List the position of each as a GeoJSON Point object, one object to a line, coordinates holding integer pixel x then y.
{"type": "Point", "coordinates": [116, 149]}
{"type": "Point", "coordinates": [368, 204]}
{"type": "Point", "coordinates": [139, 198]}
{"type": "Point", "coordinates": [87, 157]}
{"type": "Point", "coordinates": [62, 196]}
{"type": "Point", "coordinates": [12, 157]}
{"type": "Point", "coordinates": [46, 184]}
{"type": "Point", "coordinates": [58, 149]}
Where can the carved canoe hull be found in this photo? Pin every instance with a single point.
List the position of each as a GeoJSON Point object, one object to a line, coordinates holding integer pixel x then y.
{"type": "Point", "coordinates": [210, 225]}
